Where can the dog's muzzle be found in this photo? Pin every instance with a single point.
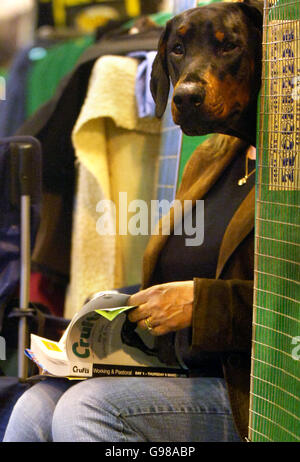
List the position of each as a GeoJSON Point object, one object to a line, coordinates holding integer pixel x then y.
{"type": "Point", "coordinates": [188, 96]}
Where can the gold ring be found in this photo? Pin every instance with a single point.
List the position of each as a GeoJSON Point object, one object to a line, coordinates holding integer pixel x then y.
{"type": "Point", "coordinates": [148, 324]}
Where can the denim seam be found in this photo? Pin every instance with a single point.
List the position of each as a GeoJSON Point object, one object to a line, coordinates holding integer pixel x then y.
{"type": "Point", "coordinates": [138, 413]}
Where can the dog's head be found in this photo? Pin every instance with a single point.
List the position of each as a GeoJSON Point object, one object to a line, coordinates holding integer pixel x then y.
{"type": "Point", "coordinates": [212, 55]}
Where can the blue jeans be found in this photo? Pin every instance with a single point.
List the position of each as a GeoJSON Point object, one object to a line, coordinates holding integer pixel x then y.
{"type": "Point", "coordinates": [124, 409]}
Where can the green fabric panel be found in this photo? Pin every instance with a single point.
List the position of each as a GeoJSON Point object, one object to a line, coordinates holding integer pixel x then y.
{"type": "Point", "coordinates": [207, 2]}
{"type": "Point", "coordinates": [3, 72]}
{"type": "Point", "coordinates": [162, 17]}
{"type": "Point", "coordinates": [189, 144]}
{"type": "Point", "coordinates": [49, 68]}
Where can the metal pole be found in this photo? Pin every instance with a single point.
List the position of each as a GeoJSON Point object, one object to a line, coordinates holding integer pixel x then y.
{"type": "Point", "coordinates": [24, 284]}
{"type": "Point", "coordinates": [28, 150]}
{"type": "Point", "coordinates": [25, 177]}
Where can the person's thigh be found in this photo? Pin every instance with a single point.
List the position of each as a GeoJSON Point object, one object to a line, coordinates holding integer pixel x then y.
{"type": "Point", "coordinates": [123, 409]}
{"type": "Point", "coordinates": [31, 418]}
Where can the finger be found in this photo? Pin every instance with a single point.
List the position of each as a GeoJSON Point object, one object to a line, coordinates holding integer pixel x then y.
{"type": "Point", "coordinates": [147, 324]}
{"type": "Point", "coordinates": [140, 297]}
{"type": "Point", "coordinates": [137, 314]}
{"type": "Point", "coordinates": [155, 330]}
{"type": "Point", "coordinates": [160, 330]}
{"type": "Point", "coordinates": [142, 325]}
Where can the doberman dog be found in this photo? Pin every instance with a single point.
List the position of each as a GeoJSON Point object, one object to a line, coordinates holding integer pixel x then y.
{"type": "Point", "coordinates": [212, 55]}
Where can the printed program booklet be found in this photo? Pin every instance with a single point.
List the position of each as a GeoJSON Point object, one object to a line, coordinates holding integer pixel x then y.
{"type": "Point", "coordinates": [92, 345]}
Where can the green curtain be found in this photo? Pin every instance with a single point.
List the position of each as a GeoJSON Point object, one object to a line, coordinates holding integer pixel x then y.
{"type": "Point", "coordinates": [49, 67]}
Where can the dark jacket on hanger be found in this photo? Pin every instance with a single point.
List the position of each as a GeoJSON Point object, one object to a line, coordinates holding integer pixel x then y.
{"type": "Point", "coordinates": [52, 124]}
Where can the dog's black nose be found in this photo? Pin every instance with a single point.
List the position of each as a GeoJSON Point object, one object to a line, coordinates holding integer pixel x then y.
{"type": "Point", "coordinates": [188, 96]}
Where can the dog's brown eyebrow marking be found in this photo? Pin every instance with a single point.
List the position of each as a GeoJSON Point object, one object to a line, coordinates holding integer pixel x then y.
{"type": "Point", "coordinates": [219, 35]}
{"type": "Point", "coordinates": [182, 30]}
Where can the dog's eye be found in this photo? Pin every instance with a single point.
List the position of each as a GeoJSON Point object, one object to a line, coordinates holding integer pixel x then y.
{"type": "Point", "coordinates": [177, 49]}
{"type": "Point", "coordinates": [228, 46]}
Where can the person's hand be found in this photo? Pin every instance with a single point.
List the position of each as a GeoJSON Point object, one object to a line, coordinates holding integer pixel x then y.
{"type": "Point", "coordinates": [163, 308]}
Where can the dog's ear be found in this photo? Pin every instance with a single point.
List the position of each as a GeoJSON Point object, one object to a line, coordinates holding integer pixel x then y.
{"type": "Point", "coordinates": [160, 83]}
{"type": "Point", "coordinates": [253, 9]}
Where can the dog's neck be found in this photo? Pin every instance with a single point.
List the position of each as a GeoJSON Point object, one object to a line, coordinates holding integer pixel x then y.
{"type": "Point", "coordinates": [246, 127]}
